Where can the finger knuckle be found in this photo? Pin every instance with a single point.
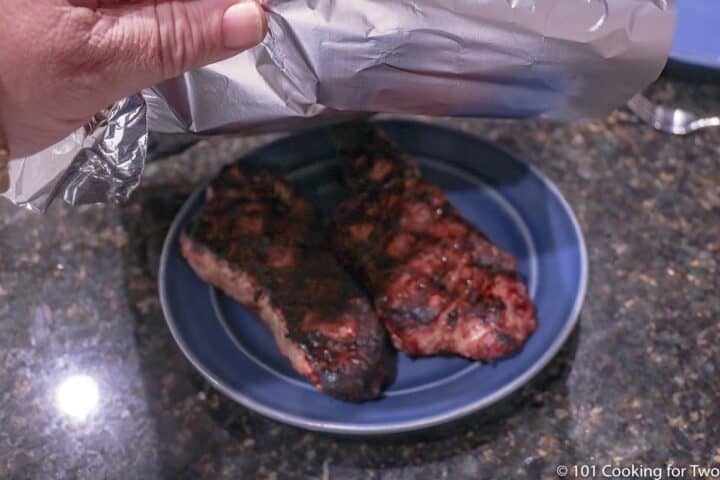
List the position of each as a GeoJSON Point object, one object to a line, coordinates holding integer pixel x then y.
{"type": "Point", "coordinates": [178, 43]}
{"type": "Point", "coordinates": [79, 43]}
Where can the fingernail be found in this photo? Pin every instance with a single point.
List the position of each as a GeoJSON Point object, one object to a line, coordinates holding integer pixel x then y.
{"type": "Point", "coordinates": [243, 25]}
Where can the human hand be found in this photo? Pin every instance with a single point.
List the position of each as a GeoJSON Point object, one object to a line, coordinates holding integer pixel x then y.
{"type": "Point", "coordinates": [62, 61]}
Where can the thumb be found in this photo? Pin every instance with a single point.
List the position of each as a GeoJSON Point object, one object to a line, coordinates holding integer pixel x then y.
{"type": "Point", "coordinates": [155, 40]}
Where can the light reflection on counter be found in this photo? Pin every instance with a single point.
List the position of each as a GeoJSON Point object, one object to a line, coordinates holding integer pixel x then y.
{"type": "Point", "coordinates": [77, 396]}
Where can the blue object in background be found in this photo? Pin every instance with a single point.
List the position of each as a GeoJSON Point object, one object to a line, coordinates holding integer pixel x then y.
{"type": "Point", "coordinates": [697, 40]}
{"type": "Point", "coordinates": [514, 204]}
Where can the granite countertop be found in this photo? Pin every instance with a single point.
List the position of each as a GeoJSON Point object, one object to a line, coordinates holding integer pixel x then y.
{"type": "Point", "coordinates": [636, 384]}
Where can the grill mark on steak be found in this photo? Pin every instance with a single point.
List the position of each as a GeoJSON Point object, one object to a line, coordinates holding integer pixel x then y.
{"type": "Point", "coordinates": [439, 285]}
{"type": "Point", "coordinates": [262, 244]}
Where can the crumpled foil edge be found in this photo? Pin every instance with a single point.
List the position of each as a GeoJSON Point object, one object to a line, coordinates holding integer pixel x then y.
{"type": "Point", "coordinates": [100, 162]}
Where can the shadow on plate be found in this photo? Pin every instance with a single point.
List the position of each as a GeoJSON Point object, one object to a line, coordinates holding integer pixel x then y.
{"type": "Point", "coordinates": [466, 436]}
{"type": "Point", "coordinates": [690, 73]}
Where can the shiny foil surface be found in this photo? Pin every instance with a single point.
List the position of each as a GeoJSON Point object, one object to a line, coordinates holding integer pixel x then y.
{"type": "Point", "coordinates": [326, 60]}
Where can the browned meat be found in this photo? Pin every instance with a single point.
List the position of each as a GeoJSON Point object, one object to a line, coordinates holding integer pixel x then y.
{"type": "Point", "coordinates": [439, 285]}
{"type": "Point", "coordinates": [260, 243]}
{"type": "Point", "coordinates": [370, 160]}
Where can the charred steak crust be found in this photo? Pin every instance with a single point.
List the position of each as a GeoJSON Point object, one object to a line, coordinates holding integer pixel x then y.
{"type": "Point", "coordinates": [439, 285]}
{"type": "Point", "coordinates": [261, 243]}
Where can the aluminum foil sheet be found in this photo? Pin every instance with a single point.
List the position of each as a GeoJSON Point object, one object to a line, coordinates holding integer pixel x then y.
{"type": "Point", "coordinates": [324, 60]}
{"type": "Point", "coordinates": [101, 162]}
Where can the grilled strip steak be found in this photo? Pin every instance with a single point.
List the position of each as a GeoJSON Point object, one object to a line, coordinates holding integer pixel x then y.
{"type": "Point", "coordinates": [261, 243]}
{"type": "Point", "coordinates": [439, 285]}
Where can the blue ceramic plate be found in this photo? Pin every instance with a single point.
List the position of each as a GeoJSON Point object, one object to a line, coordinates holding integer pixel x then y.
{"type": "Point", "coordinates": [696, 40]}
{"type": "Point", "coordinates": [511, 202]}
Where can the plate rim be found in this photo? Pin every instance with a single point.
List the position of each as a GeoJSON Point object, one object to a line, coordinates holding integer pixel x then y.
{"type": "Point", "coordinates": [687, 57]}
{"type": "Point", "coordinates": [349, 428]}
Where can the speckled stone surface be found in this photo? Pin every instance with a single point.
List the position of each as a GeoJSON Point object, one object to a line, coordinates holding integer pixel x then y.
{"type": "Point", "coordinates": [637, 383]}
